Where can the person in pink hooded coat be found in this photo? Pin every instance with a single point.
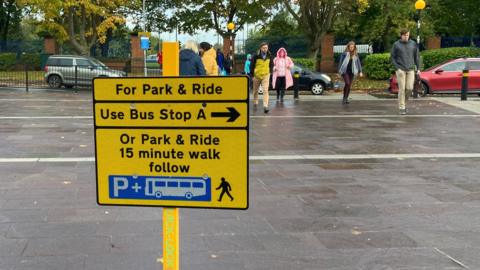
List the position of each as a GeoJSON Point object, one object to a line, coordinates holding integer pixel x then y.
{"type": "Point", "coordinates": [282, 77]}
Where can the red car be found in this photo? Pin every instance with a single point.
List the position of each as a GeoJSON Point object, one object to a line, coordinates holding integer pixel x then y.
{"type": "Point", "coordinates": [447, 77]}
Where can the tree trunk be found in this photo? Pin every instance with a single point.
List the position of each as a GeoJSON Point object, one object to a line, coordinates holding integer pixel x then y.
{"type": "Point", "coordinates": [79, 48]}
{"type": "Point", "coordinates": [5, 26]}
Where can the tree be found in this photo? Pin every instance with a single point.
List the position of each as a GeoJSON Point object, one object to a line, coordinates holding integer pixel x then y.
{"type": "Point", "coordinates": [316, 17]}
{"type": "Point", "coordinates": [457, 18]}
{"type": "Point", "coordinates": [189, 17]}
{"type": "Point", "coordinates": [10, 18]}
{"type": "Point", "coordinates": [280, 31]}
{"type": "Point", "coordinates": [379, 22]}
{"type": "Point", "coordinates": [80, 22]}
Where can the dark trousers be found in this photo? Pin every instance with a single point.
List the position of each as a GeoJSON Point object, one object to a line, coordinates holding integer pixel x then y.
{"type": "Point", "coordinates": [348, 79]}
{"type": "Point", "coordinates": [280, 87]}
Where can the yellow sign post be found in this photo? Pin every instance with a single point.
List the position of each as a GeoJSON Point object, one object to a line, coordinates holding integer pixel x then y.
{"type": "Point", "coordinates": [172, 142]}
{"type": "Point", "coordinates": [171, 216]}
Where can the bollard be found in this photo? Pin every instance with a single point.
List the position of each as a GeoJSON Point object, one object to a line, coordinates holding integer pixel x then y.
{"type": "Point", "coordinates": [296, 78]}
{"type": "Point", "coordinates": [26, 78]}
{"type": "Point", "coordinates": [76, 79]}
{"type": "Point", "coordinates": [464, 84]}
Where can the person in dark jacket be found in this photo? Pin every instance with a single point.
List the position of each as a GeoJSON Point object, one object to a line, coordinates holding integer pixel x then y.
{"type": "Point", "coordinates": [220, 60]}
{"type": "Point", "coordinates": [190, 61]}
{"type": "Point", "coordinates": [406, 61]}
{"type": "Point", "coordinates": [261, 68]}
{"type": "Point", "coordinates": [228, 64]}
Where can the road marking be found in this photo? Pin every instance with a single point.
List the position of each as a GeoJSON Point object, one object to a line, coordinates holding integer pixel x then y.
{"type": "Point", "coordinates": [371, 116]}
{"type": "Point", "coordinates": [284, 116]}
{"type": "Point", "coordinates": [470, 105]}
{"type": "Point", "coordinates": [46, 100]}
{"type": "Point", "coordinates": [46, 117]}
{"type": "Point", "coordinates": [279, 157]}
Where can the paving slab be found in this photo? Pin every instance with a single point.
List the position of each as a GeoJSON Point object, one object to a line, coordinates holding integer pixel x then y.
{"type": "Point", "coordinates": [332, 187]}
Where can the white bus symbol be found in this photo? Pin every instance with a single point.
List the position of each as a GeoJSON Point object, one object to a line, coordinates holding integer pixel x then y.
{"type": "Point", "coordinates": [187, 188]}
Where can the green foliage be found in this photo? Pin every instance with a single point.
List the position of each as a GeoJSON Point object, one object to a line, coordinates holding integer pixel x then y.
{"type": "Point", "coordinates": [336, 57]}
{"type": "Point", "coordinates": [7, 61]}
{"type": "Point", "coordinates": [30, 59]}
{"type": "Point", "coordinates": [306, 62]}
{"type": "Point", "coordinates": [378, 66]}
{"type": "Point", "coordinates": [10, 18]}
{"type": "Point", "coordinates": [11, 61]}
{"type": "Point", "coordinates": [379, 23]}
{"type": "Point", "coordinates": [191, 16]}
{"type": "Point", "coordinates": [281, 31]}
{"type": "Point", "coordinates": [434, 57]}
{"type": "Point", "coordinates": [456, 17]}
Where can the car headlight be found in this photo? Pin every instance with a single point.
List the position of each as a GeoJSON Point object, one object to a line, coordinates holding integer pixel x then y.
{"type": "Point", "coordinates": [326, 78]}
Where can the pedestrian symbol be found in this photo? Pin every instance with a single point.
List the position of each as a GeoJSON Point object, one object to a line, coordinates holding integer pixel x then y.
{"type": "Point", "coordinates": [226, 188]}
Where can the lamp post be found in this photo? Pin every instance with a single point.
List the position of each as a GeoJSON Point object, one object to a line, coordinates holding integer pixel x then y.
{"type": "Point", "coordinates": [230, 27]}
{"type": "Point", "coordinates": [419, 6]}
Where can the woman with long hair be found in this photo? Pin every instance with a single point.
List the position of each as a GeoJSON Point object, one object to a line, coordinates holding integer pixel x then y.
{"type": "Point", "coordinates": [349, 67]}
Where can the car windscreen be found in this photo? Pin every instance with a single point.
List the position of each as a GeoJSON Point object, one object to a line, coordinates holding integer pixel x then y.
{"type": "Point", "coordinates": [98, 64]}
{"type": "Point", "coordinates": [60, 62]}
{"type": "Point", "coordinates": [454, 67]}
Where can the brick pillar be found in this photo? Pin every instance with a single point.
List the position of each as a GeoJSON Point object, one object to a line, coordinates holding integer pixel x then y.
{"type": "Point", "coordinates": [433, 43]}
{"type": "Point", "coordinates": [229, 45]}
{"type": "Point", "coordinates": [49, 45]}
{"type": "Point", "coordinates": [136, 53]}
{"type": "Point", "coordinates": [327, 62]}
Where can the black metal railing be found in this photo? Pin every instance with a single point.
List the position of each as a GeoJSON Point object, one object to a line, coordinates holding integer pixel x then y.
{"type": "Point", "coordinates": [70, 77]}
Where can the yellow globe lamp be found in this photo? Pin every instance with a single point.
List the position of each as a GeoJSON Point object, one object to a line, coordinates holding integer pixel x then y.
{"type": "Point", "coordinates": [230, 26]}
{"type": "Point", "coordinates": [420, 4]}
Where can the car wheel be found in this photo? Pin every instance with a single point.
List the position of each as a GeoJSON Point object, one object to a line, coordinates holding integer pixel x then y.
{"type": "Point", "coordinates": [425, 89]}
{"type": "Point", "coordinates": [188, 195]}
{"type": "Point", "coordinates": [317, 88]}
{"type": "Point", "coordinates": [158, 194]}
{"type": "Point", "coordinates": [54, 81]}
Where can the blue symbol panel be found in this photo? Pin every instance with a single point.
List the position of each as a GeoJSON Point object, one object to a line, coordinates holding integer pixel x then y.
{"type": "Point", "coordinates": [160, 188]}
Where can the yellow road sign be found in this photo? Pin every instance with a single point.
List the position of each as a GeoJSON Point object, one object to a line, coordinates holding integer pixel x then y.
{"type": "Point", "coordinates": [206, 88]}
{"type": "Point", "coordinates": [171, 114]}
{"type": "Point", "coordinates": [172, 141]}
{"type": "Point", "coordinates": [172, 167]}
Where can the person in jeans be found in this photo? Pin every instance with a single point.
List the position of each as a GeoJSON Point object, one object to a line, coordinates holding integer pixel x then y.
{"type": "Point", "coordinates": [405, 59]}
{"type": "Point", "coordinates": [349, 67]}
{"type": "Point", "coordinates": [262, 65]}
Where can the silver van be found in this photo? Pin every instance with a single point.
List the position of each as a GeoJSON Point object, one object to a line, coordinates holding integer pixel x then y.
{"type": "Point", "coordinates": [70, 70]}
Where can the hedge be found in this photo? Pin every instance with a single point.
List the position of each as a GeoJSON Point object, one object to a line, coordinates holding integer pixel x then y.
{"type": "Point", "coordinates": [306, 62]}
{"type": "Point", "coordinates": [379, 66]}
{"type": "Point", "coordinates": [30, 59]}
{"type": "Point", "coordinates": [11, 61]}
{"type": "Point", "coordinates": [434, 57]}
{"type": "Point", "coordinates": [8, 61]}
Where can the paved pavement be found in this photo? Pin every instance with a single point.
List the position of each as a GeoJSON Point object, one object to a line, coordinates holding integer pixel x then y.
{"type": "Point", "coordinates": [331, 187]}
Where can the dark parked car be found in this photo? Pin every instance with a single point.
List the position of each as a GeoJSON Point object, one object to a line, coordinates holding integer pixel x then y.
{"type": "Point", "coordinates": [316, 82]}
{"type": "Point", "coordinates": [447, 77]}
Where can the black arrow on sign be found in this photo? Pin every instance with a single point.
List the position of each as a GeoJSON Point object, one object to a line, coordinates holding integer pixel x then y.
{"type": "Point", "coordinates": [232, 113]}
